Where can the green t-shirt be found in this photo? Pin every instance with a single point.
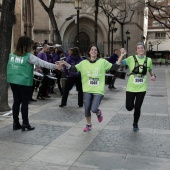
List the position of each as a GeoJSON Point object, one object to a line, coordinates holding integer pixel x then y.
{"type": "Point", "coordinates": [93, 75]}
{"type": "Point", "coordinates": [137, 83]}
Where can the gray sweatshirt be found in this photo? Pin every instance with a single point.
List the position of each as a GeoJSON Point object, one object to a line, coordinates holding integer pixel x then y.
{"type": "Point", "coordinates": [36, 61]}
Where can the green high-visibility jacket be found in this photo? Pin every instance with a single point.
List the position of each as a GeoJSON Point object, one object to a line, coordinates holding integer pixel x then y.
{"type": "Point", "coordinates": [19, 70]}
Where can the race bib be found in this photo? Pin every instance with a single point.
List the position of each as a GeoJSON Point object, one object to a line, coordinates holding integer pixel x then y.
{"type": "Point", "coordinates": [93, 81]}
{"type": "Point", "coordinates": [138, 80]}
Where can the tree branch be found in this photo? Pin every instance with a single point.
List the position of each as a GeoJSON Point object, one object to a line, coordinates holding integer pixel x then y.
{"type": "Point", "coordinates": [44, 6]}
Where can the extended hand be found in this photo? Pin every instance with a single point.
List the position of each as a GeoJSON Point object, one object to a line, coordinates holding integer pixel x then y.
{"type": "Point", "coordinates": [123, 51]}
{"type": "Point", "coordinates": [59, 65]}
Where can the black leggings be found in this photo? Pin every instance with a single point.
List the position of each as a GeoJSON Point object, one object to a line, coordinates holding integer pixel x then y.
{"type": "Point", "coordinates": [21, 95]}
{"type": "Point", "coordinates": [70, 82]}
{"type": "Point", "coordinates": [134, 101]}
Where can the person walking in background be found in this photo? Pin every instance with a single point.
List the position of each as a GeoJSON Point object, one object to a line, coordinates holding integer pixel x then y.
{"type": "Point", "coordinates": [44, 89]}
{"type": "Point", "coordinates": [34, 51]}
{"type": "Point", "coordinates": [73, 79]}
{"type": "Point", "coordinates": [57, 54]}
{"type": "Point", "coordinates": [112, 59]}
{"type": "Point", "coordinates": [136, 88]}
{"type": "Point", "coordinates": [20, 76]}
{"type": "Point", "coordinates": [160, 61]}
{"type": "Point", "coordinates": [93, 81]}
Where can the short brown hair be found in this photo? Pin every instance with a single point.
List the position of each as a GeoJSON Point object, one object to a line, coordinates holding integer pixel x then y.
{"type": "Point", "coordinates": [140, 43]}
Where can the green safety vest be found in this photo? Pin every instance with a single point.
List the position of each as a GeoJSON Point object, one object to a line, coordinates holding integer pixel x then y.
{"type": "Point", "coordinates": [19, 70]}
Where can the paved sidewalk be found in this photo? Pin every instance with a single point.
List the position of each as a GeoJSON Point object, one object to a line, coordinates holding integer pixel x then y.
{"type": "Point", "coordinates": [58, 142]}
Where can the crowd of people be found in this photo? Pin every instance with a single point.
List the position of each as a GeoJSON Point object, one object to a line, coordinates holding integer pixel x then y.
{"type": "Point", "coordinates": [33, 68]}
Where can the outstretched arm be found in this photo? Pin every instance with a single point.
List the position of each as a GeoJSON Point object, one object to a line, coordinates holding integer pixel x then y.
{"type": "Point", "coordinates": [116, 66]}
{"type": "Point", "coordinates": [68, 66]}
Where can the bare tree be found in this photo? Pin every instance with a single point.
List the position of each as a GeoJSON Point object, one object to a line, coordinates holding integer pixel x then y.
{"type": "Point", "coordinates": [121, 11]}
{"type": "Point", "coordinates": [49, 10]}
{"type": "Point", "coordinates": [158, 11]}
{"type": "Point", "coordinates": [6, 23]}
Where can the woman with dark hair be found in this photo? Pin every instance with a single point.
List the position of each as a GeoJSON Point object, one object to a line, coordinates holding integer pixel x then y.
{"type": "Point", "coordinates": [73, 79]}
{"type": "Point", "coordinates": [93, 81]}
{"type": "Point", "coordinates": [20, 76]}
{"type": "Point", "coordinates": [138, 65]}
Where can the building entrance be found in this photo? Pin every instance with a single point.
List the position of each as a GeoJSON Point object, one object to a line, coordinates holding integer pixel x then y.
{"type": "Point", "coordinates": [84, 42]}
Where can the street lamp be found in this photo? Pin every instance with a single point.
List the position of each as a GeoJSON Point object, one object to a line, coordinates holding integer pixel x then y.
{"type": "Point", "coordinates": [127, 39]}
{"type": "Point", "coordinates": [150, 46]}
{"type": "Point", "coordinates": [113, 29]}
{"type": "Point", "coordinates": [78, 4]}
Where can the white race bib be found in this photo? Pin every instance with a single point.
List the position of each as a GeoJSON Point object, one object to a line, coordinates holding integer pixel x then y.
{"type": "Point", "coordinates": [139, 80]}
{"type": "Point", "coordinates": [93, 81]}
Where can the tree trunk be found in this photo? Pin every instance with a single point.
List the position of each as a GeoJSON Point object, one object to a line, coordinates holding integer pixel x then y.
{"type": "Point", "coordinates": [57, 38]}
{"type": "Point", "coordinates": [49, 10]}
{"type": "Point", "coordinates": [7, 18]}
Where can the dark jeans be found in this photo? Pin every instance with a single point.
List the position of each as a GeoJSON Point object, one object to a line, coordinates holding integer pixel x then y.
{"type": "Point", "coordinates": [70, 82]}
{"type": "Point", "coordinates": [58, 75]}
{"type": "Point", "coordinates": [21, 96]}
{"type": "Point", "coordinates": [91, 103]}
{"type": "Point", "coordinates": [134, 101]}
{"type": "Point", "coordinates": [44, 89]}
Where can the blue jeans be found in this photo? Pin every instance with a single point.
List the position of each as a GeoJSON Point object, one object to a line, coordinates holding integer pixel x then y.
{"type": "Point", "coordinates": [91, 103]}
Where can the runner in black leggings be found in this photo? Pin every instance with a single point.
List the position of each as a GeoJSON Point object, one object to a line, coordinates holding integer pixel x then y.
{"type": "Point", "coordinates": [138, 65]}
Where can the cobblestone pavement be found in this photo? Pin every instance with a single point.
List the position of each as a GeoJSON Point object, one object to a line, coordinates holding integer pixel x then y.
{"type": "Point", "coordinates": [58, 142]}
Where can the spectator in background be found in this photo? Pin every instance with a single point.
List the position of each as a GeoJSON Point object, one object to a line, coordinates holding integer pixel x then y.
{"type": "Point", "coordinates": [43, 90]}
{"type": "Point", "coordinates": [73, 79]}
{"type": "Point", "coordinates": [112, 59]}
{"type": "Point", "coordinates": [57, 53]}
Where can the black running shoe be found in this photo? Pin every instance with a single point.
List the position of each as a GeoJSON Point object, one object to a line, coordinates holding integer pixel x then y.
{"type": "Point", "coordinates": [135, 127]}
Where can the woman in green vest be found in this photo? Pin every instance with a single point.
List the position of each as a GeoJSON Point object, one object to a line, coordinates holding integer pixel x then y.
{"type": "Point", "coordinates": [20, 76]}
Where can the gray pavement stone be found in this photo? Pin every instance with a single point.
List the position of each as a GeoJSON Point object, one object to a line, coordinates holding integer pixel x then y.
{"type": "Point", "coordinates": [145, 163]}
{"type": "Point", "coordinates": [56, 155]}
{"type": "Point", "coordinates": [99, 160]}
{"type": "Point", "coordinates": [15, 154]}
{"type": "Point", "coordinates": [7, 167]}
{"type": "Point", "coordinates": [146, 121]}
{"type": "Point", "coordinates": [60, 114]}
{"type": "Point", "coordinates": [129, 142]}
{"type": "Point", "coordinates": [59, 143]}
{"type": "Point", "coordinates": [42, 135]}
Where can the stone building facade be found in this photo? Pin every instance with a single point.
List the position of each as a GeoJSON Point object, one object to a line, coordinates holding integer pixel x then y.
{"type": "Point", "coordinates": [33, 21]}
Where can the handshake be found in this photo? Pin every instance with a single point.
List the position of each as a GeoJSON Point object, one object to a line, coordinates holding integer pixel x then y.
{"type": "Point", "coordinates": [60, 64]}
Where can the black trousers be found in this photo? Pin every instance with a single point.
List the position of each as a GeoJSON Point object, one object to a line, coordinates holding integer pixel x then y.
{"type": "Point", "coordinates": [70, 82]}
{"type": "Point", "coordinates": [33, 88]}
{"type": "Point", "coordinates": [58, 76]}
{"type": "Point", "coordinates": [134, 101]}
{"type": "Point", "coordinates": [111, 80]}
{"type": "Point", "coordinates": [21, 96]}
{"type": "Point", "coordinates": [43, 89]}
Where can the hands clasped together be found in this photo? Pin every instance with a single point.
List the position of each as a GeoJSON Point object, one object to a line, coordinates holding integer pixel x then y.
{"type": "Point", "coordinates": [59, 65]}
